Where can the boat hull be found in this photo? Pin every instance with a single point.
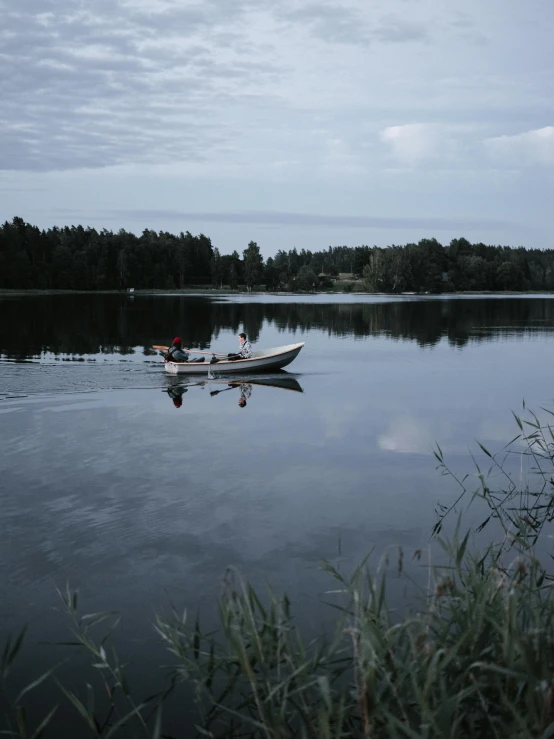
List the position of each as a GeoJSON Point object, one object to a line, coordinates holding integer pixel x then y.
{"type": "Point", "coordinates": [272, 359]}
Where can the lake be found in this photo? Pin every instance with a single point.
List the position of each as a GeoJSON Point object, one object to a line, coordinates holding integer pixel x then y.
{"type": "Point", "coordinates": [139, 488]}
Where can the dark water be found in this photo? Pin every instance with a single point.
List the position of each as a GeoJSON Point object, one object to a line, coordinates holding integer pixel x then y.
{"type": "Point", "coordinates": [108, 484]}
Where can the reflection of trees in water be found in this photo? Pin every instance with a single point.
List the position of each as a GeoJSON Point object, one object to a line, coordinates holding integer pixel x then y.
{"type": "Point", "coordinates": [90, 324]}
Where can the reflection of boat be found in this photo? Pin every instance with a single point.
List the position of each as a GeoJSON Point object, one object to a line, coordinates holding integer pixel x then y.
{"type": "Point", "coordinates": [283, 382]}
{"type": "Point", "coordinates": [260, 361]}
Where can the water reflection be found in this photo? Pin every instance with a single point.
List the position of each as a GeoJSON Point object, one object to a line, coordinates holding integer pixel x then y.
{"type": "Point", "coordinates": [177, 388]}
{"type": "Point", "coordinates": [93, 324]}
{"type": "Point", "coordinates": [407, 435]}
{"type": "Point", "coordinates": [115, 492]}
{"type": "Point", "coordinates": [176, 394]}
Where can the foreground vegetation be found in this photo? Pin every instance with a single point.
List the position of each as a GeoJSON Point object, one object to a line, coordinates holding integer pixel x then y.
{"type": "Point", "coordinates": [86, 259]}
{"type": "Point", "coordinates": [472, 657]}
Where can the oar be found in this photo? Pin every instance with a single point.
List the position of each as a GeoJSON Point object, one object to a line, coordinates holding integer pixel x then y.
{"type": "Point", "coordinates": [185, 387]}
{"type": "Point", "coordinates": [196, 351]}
{"type": "Point", "coordinates": [216, 392]}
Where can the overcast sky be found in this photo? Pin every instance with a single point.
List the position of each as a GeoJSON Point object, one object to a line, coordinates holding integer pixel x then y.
{"type": "Point", "coordinates": [290, 122]}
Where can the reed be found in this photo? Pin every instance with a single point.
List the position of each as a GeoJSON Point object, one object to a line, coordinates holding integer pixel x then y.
{"type": "Point", "coordinates": [473, 656]}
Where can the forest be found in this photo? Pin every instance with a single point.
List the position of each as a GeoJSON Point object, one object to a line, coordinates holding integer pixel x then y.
{"type": "Point", "coordinates": [78, 258]}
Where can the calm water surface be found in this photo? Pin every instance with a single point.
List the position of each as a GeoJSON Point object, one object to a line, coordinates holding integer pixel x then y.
{"type": "Point", "coordinates": [137, 487]}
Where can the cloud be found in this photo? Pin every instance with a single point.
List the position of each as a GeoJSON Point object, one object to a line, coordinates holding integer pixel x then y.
{"type": "Point", "coordinates": [395, 29]}
{"type": "Point", "coordinates": [530, 147]}
{"type": "Point", "coordinates": [310, 105]}
{"type": "Point", "coordinates": [407, 435]}
{"type": "Point", "coordinates": [279, 218]}
{"type": "Point", "coordinates": [353, 23]}
{"type": "Point", "coordinates": [123, 82]}
{"type": "Point", "coordinates": [412, 142]}
{"type": "Point", "coordinates": [329, 22]}
{"type": "Point", "coordinates": [339, 157]}
{"type": "Point", "coordinates": [142, 81]}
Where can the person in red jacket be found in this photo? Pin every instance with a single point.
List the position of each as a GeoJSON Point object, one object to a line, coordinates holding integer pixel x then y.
{"type": "Point", "coordinates": [176, 353]}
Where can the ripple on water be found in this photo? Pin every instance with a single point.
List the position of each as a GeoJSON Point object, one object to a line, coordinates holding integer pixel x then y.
{"type": "Point", "coordinates": [54, 374]}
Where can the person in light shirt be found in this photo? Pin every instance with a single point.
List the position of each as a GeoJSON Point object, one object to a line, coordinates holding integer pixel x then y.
{"type": "Point", "coordinates": [245, 349]}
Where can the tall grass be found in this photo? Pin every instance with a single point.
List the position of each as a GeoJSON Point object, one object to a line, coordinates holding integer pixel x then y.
{"type": "Point", "coordinates": [472, 657]}
{"type": "Point", "coordinates": [519, 497]}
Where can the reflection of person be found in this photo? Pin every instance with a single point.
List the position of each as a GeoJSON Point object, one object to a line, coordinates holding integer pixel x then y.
{"type": "Point", "coordinates": [245, 392]}
{"type": "Point", "coordinates": [176, 353]}
{"type": "Point", "coordinates": [176, 394]}
{"type": "Point", "coordinates": [245, 349]}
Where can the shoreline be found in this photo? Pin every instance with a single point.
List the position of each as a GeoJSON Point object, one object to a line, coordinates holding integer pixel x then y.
{"type": "Point", "coordinates": [208, 292]}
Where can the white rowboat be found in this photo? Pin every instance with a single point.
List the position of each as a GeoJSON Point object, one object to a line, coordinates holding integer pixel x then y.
{"type": "Point", "coordinates": [260, 361]}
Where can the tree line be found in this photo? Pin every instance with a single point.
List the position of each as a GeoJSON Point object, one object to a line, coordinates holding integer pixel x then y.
{"type": "Point", "coordinates": [78, 258]}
